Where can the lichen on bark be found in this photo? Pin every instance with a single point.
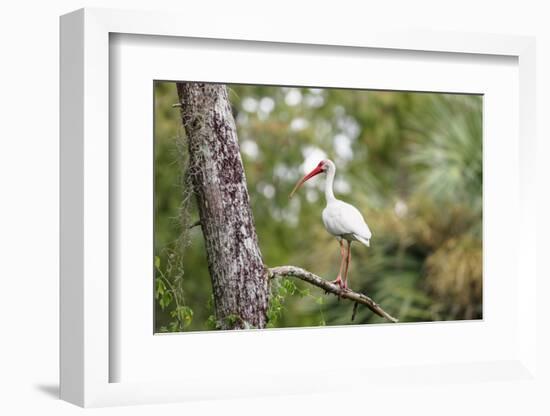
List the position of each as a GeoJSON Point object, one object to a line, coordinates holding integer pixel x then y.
{"type": "Point", "coordinates": [239, 279]}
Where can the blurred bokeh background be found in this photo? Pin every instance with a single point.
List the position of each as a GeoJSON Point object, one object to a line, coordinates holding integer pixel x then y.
{"type": "Point", "coordinates": [411, 162]}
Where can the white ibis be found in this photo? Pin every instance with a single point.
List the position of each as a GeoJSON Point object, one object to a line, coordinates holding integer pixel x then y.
{"type": "Point", "coordinates": [341, 219]}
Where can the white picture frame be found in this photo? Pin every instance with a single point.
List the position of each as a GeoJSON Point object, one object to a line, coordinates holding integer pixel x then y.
{"type": "Point", "coordinates": [86, 356]}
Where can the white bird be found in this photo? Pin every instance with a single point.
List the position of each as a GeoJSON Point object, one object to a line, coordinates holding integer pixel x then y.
{"type": "Point", "coordinates": [341, 219]}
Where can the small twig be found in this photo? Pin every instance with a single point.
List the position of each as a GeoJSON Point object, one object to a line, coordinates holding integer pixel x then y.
{"type": "Point", "coordinates": [198, 222]}
{"type": "Point", "coordinates": [176, 105]}
{"type": "Point", "coordinates": [355, 305]}
{"type": "Point", "coordinates": [330, 287]}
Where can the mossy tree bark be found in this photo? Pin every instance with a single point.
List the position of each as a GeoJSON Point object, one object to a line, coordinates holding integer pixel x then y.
{"type": "Point", "coordinates": [239, 279]}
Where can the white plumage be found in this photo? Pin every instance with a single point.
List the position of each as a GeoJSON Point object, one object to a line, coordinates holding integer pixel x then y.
{"type": "Point", "coordinates": [345, 221]}
{"type": "Point", "coordinates": [341, 219]}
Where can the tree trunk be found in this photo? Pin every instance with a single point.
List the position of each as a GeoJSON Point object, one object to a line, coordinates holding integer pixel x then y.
{"type": "Point", "coordinates": [239, 279]}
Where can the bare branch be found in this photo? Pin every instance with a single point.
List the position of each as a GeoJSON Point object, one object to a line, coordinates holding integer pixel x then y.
{"type": "Point", "coordinates": [330, 287]}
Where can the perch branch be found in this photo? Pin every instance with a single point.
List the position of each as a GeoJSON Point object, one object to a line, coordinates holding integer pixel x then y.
{"type": "Point", "coordinates": [330, 288]}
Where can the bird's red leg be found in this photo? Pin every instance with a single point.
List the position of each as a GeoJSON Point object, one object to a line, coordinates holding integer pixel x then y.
{"type": "Point", "coordinates": [338, 280]}
{"type": "Point", "coordinates": [348, 259]}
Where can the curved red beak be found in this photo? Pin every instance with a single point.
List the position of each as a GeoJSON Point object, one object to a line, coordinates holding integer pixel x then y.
{"type": "Point", "coordinates": [310, 175]}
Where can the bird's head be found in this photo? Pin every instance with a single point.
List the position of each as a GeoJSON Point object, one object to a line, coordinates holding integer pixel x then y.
{"type": "Point", "coordinates": [322, 167]}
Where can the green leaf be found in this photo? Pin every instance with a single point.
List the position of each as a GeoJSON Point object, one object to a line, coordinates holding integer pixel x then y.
{"type": "Point", "coordinates": [211, 322]}
{"type": "Point", "coordinates": [210, 303]}
{"type": "Point", "coordinates": [160, 289]}
{"type": "Point", "coordinates": [289, 286]}
{"type": "Point", "coordinates": [184, 314]}
{"type": "Point", "coordinates": [165, 300]}
{"type": "Point", "coordinates": [303, 292]}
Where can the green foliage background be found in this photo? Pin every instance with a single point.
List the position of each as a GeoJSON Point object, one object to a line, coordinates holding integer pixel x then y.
{"type": "Point", "coordinates": [412, 164]}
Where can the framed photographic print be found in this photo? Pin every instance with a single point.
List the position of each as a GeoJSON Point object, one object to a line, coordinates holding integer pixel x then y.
{"type": "Point", "coordinates": [238, 209]}
{"type": "Point", "coordinates": [411, 160]}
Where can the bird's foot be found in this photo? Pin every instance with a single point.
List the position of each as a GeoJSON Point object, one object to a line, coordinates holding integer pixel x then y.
{"type": "Point", "coordinates": [338, 282]}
